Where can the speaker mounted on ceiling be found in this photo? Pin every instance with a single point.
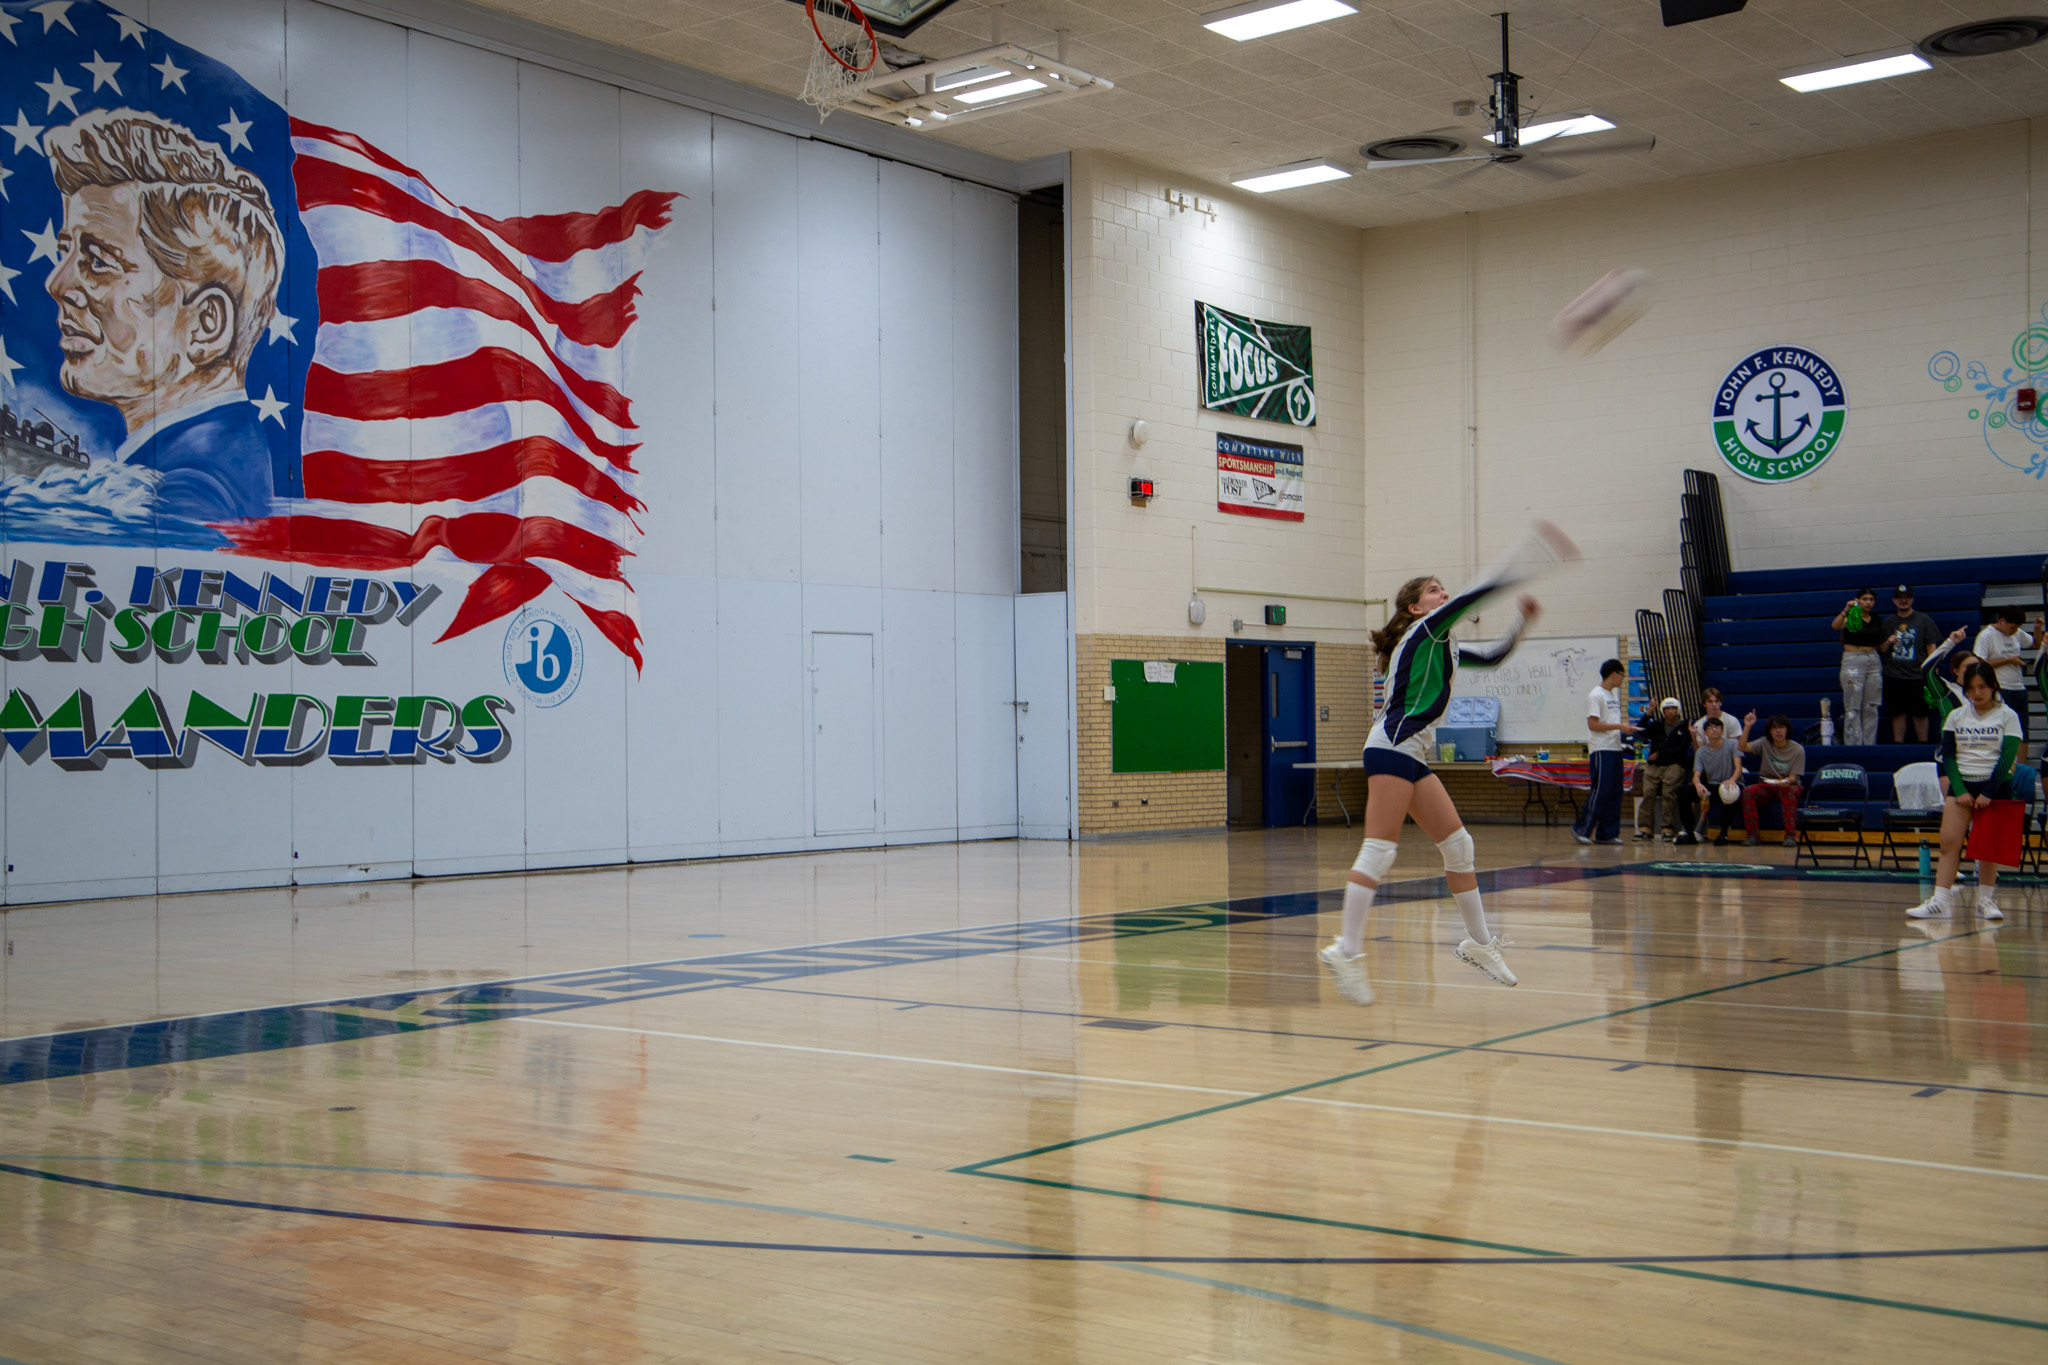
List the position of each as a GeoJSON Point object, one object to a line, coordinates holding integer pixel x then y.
{"type": "Point", "coordinates": [1678, 12]}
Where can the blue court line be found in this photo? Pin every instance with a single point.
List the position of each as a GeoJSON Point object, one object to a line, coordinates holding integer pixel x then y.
{"type": "Point", "coordinates": [1525, 1258]}
{"type": "Point", "coordinates": [240, 1033]}
{"type": "Point", "coordinates": [1250, 1291]}
{"type": "Point", "coordinates": [1366, 1040]}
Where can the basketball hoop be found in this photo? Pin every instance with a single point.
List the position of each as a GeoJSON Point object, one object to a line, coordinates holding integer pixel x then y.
{"type": "Point", "coordinates": [846, 51]}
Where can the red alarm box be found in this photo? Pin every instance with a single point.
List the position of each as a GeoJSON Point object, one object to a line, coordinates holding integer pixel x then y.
{"type": "Point", "coordinates": [2024, 402]}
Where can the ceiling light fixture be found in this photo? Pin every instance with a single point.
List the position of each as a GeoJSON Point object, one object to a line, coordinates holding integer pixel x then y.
{"type": "Point", "coordinates": [1264, 17]}
{"type": "Point", "coordinates": [1563, 125]}
{"type": "Point", "coordinates": [998, 92]}
{"type": "Point", "coordinates": [1871, 66]}
{"type": "Point", "coordinates": [1291, 176]}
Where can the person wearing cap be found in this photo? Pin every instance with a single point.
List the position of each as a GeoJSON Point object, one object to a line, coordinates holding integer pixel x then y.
{"type": "Point", "coordinates": [1909, 635]}
{"type": "Point", "coordinates": [1664, 772]}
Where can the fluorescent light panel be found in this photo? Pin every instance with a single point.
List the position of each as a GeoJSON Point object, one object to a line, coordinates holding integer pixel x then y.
{"type": "Point", "coordinates": [1570, 125]}
{"type": "Point", "coordinates": [998, 92]}
{"type": "Point", "coordinates": [1257, 20]}
{"type": "Point", "coordinates": [1290, 177]}
{"type": "Point", "coordinates": [1872, 66]}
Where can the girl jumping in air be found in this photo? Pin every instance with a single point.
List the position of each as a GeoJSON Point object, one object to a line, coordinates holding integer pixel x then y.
{"type": "Point", "coordinates": [1419, 656]}
{"type": "Point", "coordinates": [1980, 744]}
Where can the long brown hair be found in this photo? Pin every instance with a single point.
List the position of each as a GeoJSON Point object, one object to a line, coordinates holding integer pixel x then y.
{"type": "Point", "coordinates": [1400, 618]}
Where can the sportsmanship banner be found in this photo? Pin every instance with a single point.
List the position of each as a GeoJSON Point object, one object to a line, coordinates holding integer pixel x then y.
{"type": "Point", "coordinates": [1259, 478]}
{"type": "Point", "coordinates": [1254, 368]}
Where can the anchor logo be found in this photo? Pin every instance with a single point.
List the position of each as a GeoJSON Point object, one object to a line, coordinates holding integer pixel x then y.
{"type": "Point", "coordinates": [1779, 437]}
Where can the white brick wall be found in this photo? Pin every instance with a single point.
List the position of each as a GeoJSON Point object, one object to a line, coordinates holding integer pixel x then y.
{"type": "Point", "coordinates": [1139, 267]}
{"type": "Point", "coordinates": [1875, 259]}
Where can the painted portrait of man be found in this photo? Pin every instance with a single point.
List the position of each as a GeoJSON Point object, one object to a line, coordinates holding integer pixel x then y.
{"type": "Point", "coordinates": [166, 278]}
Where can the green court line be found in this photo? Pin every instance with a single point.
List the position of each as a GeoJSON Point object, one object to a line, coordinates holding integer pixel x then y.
{"type": "Point", "coordinates": [980, 1168]}
{"type": "Point", "coordinates": [1842, 1296]}
{"type": "Point", "coordinates": [976, 1168]}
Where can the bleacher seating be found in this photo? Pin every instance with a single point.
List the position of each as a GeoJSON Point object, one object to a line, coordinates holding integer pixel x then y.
{"type": "Point", "coordinates": [1768, 646]}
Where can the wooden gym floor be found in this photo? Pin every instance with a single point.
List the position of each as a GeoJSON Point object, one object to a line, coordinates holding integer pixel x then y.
{"type": "Point", "coordinates": [1028, 1102]}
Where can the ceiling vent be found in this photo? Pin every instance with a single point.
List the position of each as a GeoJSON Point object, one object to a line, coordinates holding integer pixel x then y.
{"type": "Point", "coordinates": [1986, 37]}
{"type": "Point", "coordinates": [1412, 148]}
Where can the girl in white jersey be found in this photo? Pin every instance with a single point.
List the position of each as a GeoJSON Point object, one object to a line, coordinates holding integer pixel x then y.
{"type": "Point", "coordinates": [1419, 656]}
{"type": "Point", "coordinates": [1980, 744]}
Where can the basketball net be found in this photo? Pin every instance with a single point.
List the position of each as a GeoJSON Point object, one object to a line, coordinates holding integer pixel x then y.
{"type": "Point", "coordinates": [846, 51]}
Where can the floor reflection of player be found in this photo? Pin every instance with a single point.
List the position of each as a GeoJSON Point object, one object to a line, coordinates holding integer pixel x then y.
{"type": "Point", "coordinates": [164, 284]}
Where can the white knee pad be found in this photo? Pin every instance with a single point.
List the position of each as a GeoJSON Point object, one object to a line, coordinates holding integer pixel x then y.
{"type": "Point", "coordinates": [1457, 851]}
{"type": "Point", "coordinates": [1375, 859]}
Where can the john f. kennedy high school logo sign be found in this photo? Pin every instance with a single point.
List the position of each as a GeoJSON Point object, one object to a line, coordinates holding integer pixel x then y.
{"type": "Point", "coordinates": [1778, 415]}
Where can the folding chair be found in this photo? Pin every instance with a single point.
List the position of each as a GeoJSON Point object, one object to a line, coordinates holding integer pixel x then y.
{"type": "Point", "coordinates": [1917, 810]}
{"type": "Point", "coordinates": [1841, 782]}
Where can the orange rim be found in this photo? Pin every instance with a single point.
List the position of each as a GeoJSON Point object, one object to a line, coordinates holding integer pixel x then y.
{"type": "Point", "coordinates": [811, 9]}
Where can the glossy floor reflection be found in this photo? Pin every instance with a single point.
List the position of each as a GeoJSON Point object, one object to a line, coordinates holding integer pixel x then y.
{"type": "Point", "coordinates": [1027, 1102]}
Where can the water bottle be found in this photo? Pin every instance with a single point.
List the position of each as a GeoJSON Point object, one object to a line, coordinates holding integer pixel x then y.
{"type": "Point", "coordinates": [1827, 723]}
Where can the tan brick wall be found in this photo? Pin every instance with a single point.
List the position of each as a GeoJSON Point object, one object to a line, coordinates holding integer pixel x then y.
{"type": "Point", "coordinates": [1122, 803]}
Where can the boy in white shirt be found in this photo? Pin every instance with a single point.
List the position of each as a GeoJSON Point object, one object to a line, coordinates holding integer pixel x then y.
{"type": "Point", "coordinates": [2000, 644]}
{"type": "Point", "coordinates": [1600, 821]}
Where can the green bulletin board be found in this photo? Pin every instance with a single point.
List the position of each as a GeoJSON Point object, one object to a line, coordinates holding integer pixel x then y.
{"type": "Point", "coordinates": [1166, 727]}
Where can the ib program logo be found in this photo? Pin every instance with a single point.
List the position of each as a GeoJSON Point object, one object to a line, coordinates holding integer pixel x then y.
{"type": "Point", "coordinates": [1778, 415]}
{"type": "Point", "coordinates": [543, 657]}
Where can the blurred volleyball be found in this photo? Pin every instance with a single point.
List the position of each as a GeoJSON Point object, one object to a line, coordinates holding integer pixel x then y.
{"type": "Point", "coordinates": [1606, 310]}
{"type": "Point", "coordinates": [1731, 792]}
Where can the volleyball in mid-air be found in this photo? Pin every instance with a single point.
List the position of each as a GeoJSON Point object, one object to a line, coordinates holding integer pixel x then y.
{"type": "Point", "coordinates": [1609, 307]}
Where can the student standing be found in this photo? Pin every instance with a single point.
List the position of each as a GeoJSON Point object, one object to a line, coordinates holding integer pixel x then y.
{"type": "Point", "coordinates": [1980, 746]}
{"type": "Point", "coordinates": [1600, 821]}
{"type": "Point", "coordinates": [2000, 644]}
{"type": "Point", "coordinates": [1419, 657]}
{"type": "Point", "coordinates": [1909, 637]}
{"type": "Point", "coordinates": [1862, 672]}
{"type": "Point", "coordinates": [1664, 771]}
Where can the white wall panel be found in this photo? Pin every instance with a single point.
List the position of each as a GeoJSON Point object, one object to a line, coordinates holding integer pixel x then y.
{"type": "Point", "coordinates": [471, 817]}
{"type": "Point", "coordinates": [984, 351]}
{"type": "Point", "coordinates": [669, 354]}
{"type": "Point", "coordinates": [840, 394]}
{"type": "Point", "coordinates": [917, 381]}
{"type": "Point", "coordinates": [920, 785]}
{"type": "Point", "coordinates": [463, 130]}
{"type": "Point", "coordinates": [672, 710]}
{"type": "Point", "coordinates": [761, 715]}
{"type": "Point", "coordinates": [986, 723]}
{"type": "Point", "coordinates": [755, 325]}
{"type": "Point", "coordinates": [576, 752]}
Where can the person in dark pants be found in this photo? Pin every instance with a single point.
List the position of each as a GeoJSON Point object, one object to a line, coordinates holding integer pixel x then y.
{"type": "Point", "coordinates": [1716, 761]}
{"type": "Point", "coordinates": [1600, 821]}
{"type": "Point", "coordinates": [1909, 637]}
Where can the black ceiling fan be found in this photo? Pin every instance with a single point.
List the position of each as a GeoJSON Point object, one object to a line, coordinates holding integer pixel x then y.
{"type": "Point", "coordinates": [1444, 146]}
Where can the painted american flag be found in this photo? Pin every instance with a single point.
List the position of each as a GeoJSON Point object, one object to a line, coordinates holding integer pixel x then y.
{"type": "Point", "coordinates": [465, 403]}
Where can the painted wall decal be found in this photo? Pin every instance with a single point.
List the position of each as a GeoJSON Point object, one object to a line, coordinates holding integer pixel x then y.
{"type": "Point", "coordinates": [2017, 439]}
{"type": "Point", "coordinates": [234, 329]}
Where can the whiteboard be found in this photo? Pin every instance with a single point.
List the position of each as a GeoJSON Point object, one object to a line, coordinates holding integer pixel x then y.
{"type": "Point", "coordinates": [1542, 687]}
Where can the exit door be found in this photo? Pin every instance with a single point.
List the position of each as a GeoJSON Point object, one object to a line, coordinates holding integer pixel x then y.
{"type": "Point", "coordinates": [1288, 690]}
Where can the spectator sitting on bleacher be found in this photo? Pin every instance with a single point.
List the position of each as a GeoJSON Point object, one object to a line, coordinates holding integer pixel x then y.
{"type": "Point", "coordinates": [1711, 701]}
{"type": "Point", "coordinates": [1713, 763]}
{"type": "Point", "coordinates": [1670, 756]}
{"type": "Point", "coordinates": [1909, 636]}
{"type": "Point", "coordinates": [1781, 762]}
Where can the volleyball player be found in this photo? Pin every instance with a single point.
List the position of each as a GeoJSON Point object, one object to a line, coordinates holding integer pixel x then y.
{"type": "Point", "coordinates": [1980, 745]}
{"type": "Point", "coordinates": [1419, 658]}
{"type": "Point", "coordinates": [1945, 694]}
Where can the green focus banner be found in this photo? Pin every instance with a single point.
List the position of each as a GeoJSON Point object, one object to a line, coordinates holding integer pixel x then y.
{"type": "Point", "coordinates": [1253, 368]}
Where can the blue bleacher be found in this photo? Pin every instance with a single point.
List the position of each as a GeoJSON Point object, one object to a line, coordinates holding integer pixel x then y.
{"type": "Point", "coordinates": [1770, 648]}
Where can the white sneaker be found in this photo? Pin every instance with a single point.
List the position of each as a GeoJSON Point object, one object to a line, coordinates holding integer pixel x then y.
{"type": "Point", "coordinates": [1486, 957]}
{"type": "Point", "coordinates": [1989, 910]}
{"type": "Point", "coordinates": [1931, 908]}
{"type": "Point", "coordinates": [1350, 974]}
